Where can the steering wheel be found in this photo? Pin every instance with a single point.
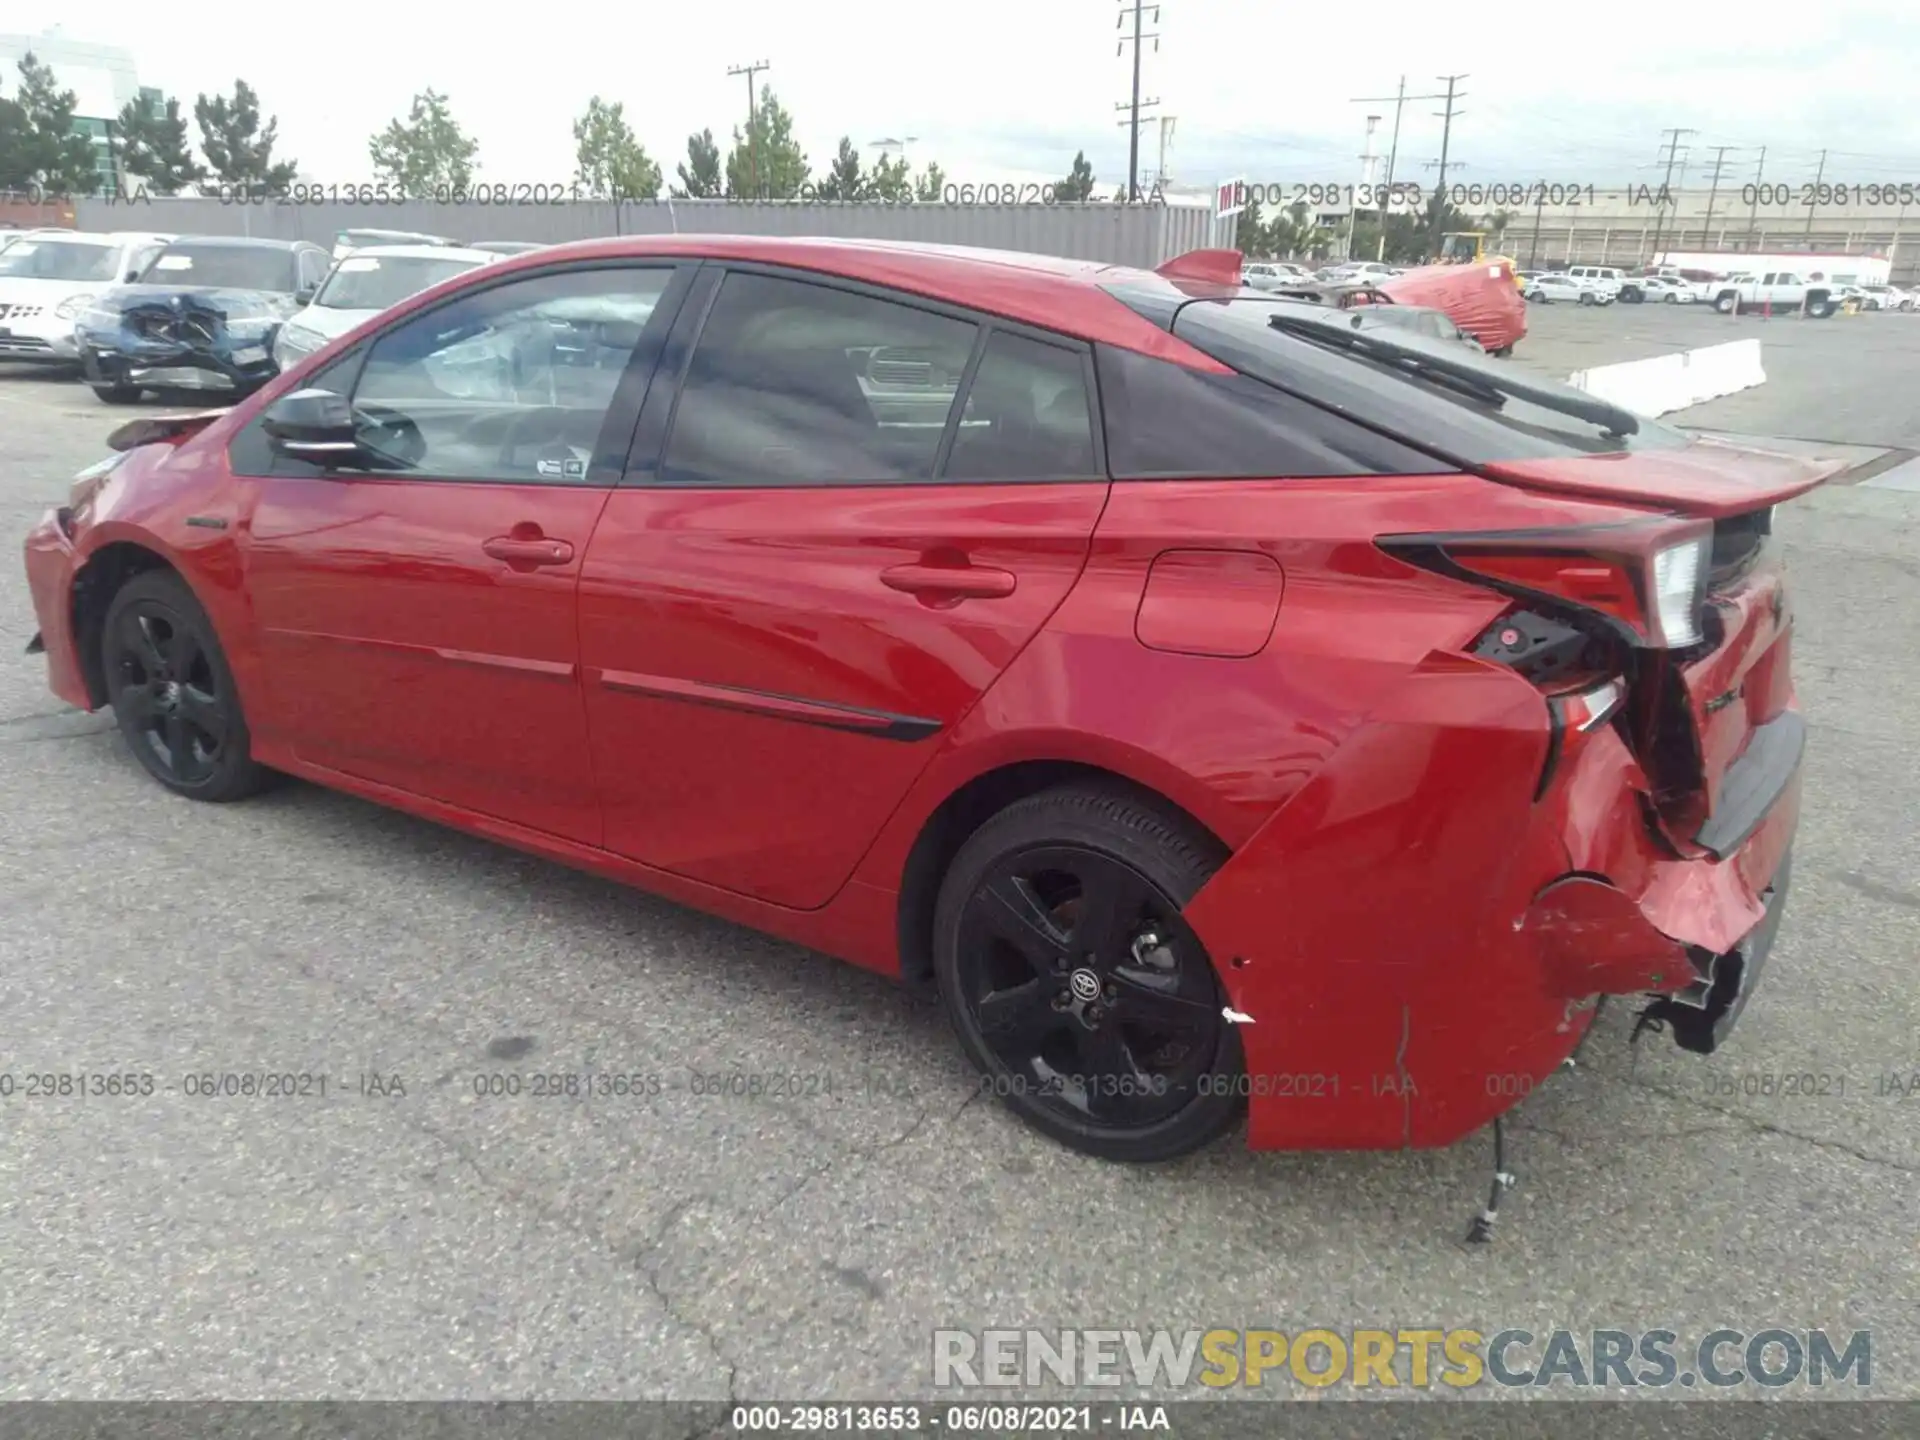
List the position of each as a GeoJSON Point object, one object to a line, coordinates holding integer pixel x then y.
{"type": "Point", "coordinates": [391, 434]}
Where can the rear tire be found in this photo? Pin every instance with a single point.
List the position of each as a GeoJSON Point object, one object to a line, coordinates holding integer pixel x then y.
{"type": "Point", "coordinates": [1670, 299]}
{"type": "Point", "coordinates": [117, 394]}
{"type": "Point", "coordinates": [1727, 304]}
{"type": "Point", "coordinates": [1587, 298]}
{"type": "Point", "coordinates": [1075, 984]}
{"type": "Point", "coordinates": [172, 693]}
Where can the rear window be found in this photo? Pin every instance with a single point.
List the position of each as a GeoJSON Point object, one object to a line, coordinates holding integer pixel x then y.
{"type": "Point", "coordinates": [1471, 418]}
{"type": "Point", "coordinates": [230, 267]}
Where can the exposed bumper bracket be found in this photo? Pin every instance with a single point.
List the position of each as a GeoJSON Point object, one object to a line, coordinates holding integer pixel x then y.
{"type": "Point", "coordinates": [1700, 1024]}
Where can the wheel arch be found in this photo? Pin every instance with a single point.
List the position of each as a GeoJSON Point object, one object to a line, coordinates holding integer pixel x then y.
{"type": "Point", "coordinates": [967, 807]}
{"type": "Point", "coordinates": [106, 569]}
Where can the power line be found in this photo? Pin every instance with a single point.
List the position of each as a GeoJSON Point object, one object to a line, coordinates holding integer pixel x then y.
{"type": "Point", "coordinates": [753, 121]}
{"type": "Point", "coordinates": [1673, 150]}
{"type": "Point", "coordinates": [1813, 200]}
{"type": "Point", "coordinates": [1440, 186]}
{"type": "Point", "coordinates": [1134, 105]}
{"type": "Point", "coordinates": [1399, 99]}
{"type": "Point", "coordinates": [1706, 230]}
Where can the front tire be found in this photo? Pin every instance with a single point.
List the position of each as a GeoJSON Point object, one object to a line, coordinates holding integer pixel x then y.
{"type": "Point", "coordinates": [172, 693]}
{"type": "Point", "coordinates": [1587, 298]}
{"type": "Point", "coordinates": [117, 394]}
{"type": "Point", "coordinates": [1075, 984]}
{"type": "Point", "coordinates": [1727, 304]}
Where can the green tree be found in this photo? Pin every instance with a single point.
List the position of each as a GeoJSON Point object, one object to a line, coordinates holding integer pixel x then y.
{"type": "Point", "coordinates": [16, 147]}
{"type": "Point", "coordinates": [610, 162]}
{"type": "Point", "coordinates": [700, 171]}
{"type": "Point", "coordinates": [1079, 182]}
{"type": "Point", "coordinates": [429, 152]}
{"type": "Point", "coordinates": [931, 187]}
{"type": "Point", "coordinates": [154, 148]}
{"type": "Point", "coordinates": [891, 181]}
{"type": "Point", "coordinates": [845, 179]}
{"type": "Point", "coordinates": [1251, 234]}
{"type": "Point", "coordinates": [767, 161]}
{"type": "Point", "coordinates": [239, 149]}
{"type": "Point", "coordinates": [48, 150]}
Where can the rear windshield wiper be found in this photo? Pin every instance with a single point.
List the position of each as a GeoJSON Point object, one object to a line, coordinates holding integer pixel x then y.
{"type": "Point", "coordinates": [1477, 380]}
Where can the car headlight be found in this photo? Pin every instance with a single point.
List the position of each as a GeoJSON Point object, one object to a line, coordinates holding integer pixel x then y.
{"type": "Point", "coordinates": [250, 329]}
{"type": "Point", "coordinates": [296, 342]}
{"type": "Point", "coordinates": [68, 308]}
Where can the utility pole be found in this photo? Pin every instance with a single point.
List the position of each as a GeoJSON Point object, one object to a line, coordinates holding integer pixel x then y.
{"type": "Point", "coordinates": [1135, 105]}
{"type": "Point", "coordinates": [1399, 100]}
{"type": "Point", "coordinates": [1367, 159]}
{"type": "Point", "coordinates": [1759, 169]}
{"type": "Point", "coordinates": [1813, 200]}
{"type": "Point", "coordinates": [1660, 219]}
{"type": "Point", "coordinates": [753, 121]}
{"type": "Point", "coordinates": [1440, 186]}
{"type": "Point", "coordinates": [1539, 209]}
{"type": "Point", "coordinates": [1706, 231]}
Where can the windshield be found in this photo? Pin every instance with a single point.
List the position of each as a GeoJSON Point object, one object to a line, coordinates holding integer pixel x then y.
{"type": "Point", "coordinates": [373, 282]}
{"type": "Point", "coordinates": [1436, 393]}
{"type": "Point", "coordinates": [59, 260]}
{"type": "Point", "coordinates": [230, 267]}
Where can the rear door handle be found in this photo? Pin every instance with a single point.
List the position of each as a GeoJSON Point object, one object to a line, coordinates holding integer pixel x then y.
{"type": "Point", "coordinates": [973, 582]}
{"type": "Point", "coordinates": [528, 552]}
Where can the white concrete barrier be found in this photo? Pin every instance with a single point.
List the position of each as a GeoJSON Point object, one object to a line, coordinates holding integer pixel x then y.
{"type": "Point", "coordinates": [1667, 383]}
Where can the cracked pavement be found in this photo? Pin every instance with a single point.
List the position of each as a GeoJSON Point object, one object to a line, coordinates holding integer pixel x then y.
{"type": "Point", "coordinates": [447, 1243]}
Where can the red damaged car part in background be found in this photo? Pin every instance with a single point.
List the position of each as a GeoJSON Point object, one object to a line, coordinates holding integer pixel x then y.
{"type": "Point", "coordinates": [1219, 706]}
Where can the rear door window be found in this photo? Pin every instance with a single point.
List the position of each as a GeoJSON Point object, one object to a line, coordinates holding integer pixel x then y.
{"type": "Point", "coordinates": [797, 383]}
{"type": "Point", "coordinates": [1028, 415]}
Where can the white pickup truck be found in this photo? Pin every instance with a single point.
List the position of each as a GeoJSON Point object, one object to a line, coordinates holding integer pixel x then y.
{"type": "Point", "coordinates": [1781, 290]}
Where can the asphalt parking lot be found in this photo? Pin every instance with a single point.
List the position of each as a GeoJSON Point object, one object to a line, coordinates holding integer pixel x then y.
{"type": "Point", "coordinates": [1848, 378]}
{"type": "Point", "coordinates": [433, 1244]}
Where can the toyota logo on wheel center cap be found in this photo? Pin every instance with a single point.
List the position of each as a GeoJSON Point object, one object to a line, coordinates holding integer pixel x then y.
{"type": "Point", "coordinates": [1084, 984]}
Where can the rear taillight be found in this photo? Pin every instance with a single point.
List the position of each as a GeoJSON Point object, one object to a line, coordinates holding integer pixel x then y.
{"type": "Point", "coordinates": [1644, 582]}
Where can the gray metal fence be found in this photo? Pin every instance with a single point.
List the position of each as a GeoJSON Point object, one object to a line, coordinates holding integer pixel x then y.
{"type": "Point", "coordinates": [1142, 235]}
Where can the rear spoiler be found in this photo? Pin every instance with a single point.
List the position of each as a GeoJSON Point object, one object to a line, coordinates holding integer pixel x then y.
{"type": "Point", "coordinates": [1211, 267]}
{"type": "Point", "coordinates": [172, 429]}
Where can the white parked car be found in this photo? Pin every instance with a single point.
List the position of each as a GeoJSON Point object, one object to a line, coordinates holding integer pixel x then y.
{"type": "Point", "coordinates": [1885, 297]}
{"type": "Point", "coordinates": [1271, 274]}
{"type": "Point", "coordinates": [48, 278]}
{"type": "Point", "coordinates": [1562, 285]}
{"type": "Point", "coordinates": [365, 283]}
{"type": "Point", "coordinates": [1602, 277]}
{"type": "Point", "coordinates": [348, 241]}
{"type": "Point", "coordinates": [1364, 272]}
{"type": "Point", "coordinates": [1666, 289]}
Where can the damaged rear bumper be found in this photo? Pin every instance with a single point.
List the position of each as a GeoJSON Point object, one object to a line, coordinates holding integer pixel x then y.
{"type": "Point", "coordinates": [1416, 941]}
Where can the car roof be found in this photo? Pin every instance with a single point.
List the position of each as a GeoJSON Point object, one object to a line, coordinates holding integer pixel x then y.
{"type": "Point", "coordinates": [241, 242]}
{"type": "Point", "coordinates": [1047, 291]}
{"type": "Point", "coordinates": [422, 252]}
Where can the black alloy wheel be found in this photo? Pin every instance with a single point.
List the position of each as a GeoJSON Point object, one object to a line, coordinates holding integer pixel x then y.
{"type": "Point", "coordinates": [172, 693]}
{"type": "Point", "coordinates": [1075, 983]}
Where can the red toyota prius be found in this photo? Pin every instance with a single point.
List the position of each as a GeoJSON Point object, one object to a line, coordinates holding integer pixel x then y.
{"type": "Point", "coordinates": [1218, 705]}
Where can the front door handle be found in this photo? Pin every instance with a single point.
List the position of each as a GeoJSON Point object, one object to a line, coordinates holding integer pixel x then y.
{"type": "Point", "coordinates": [517, 551]}
{"type": "Point", "coordinates": [958, 582]}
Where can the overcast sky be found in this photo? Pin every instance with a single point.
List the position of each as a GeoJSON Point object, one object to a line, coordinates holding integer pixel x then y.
{"type": "Point", "coordinates": [997, 86]}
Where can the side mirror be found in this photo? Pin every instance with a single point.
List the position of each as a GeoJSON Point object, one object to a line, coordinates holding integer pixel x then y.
{"type": "Point", "coordinates": [304, 295]}
{"type": "Point", "coordinates": [311, 425]}
{"type": "Point", "coordinates": [132, 275]}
